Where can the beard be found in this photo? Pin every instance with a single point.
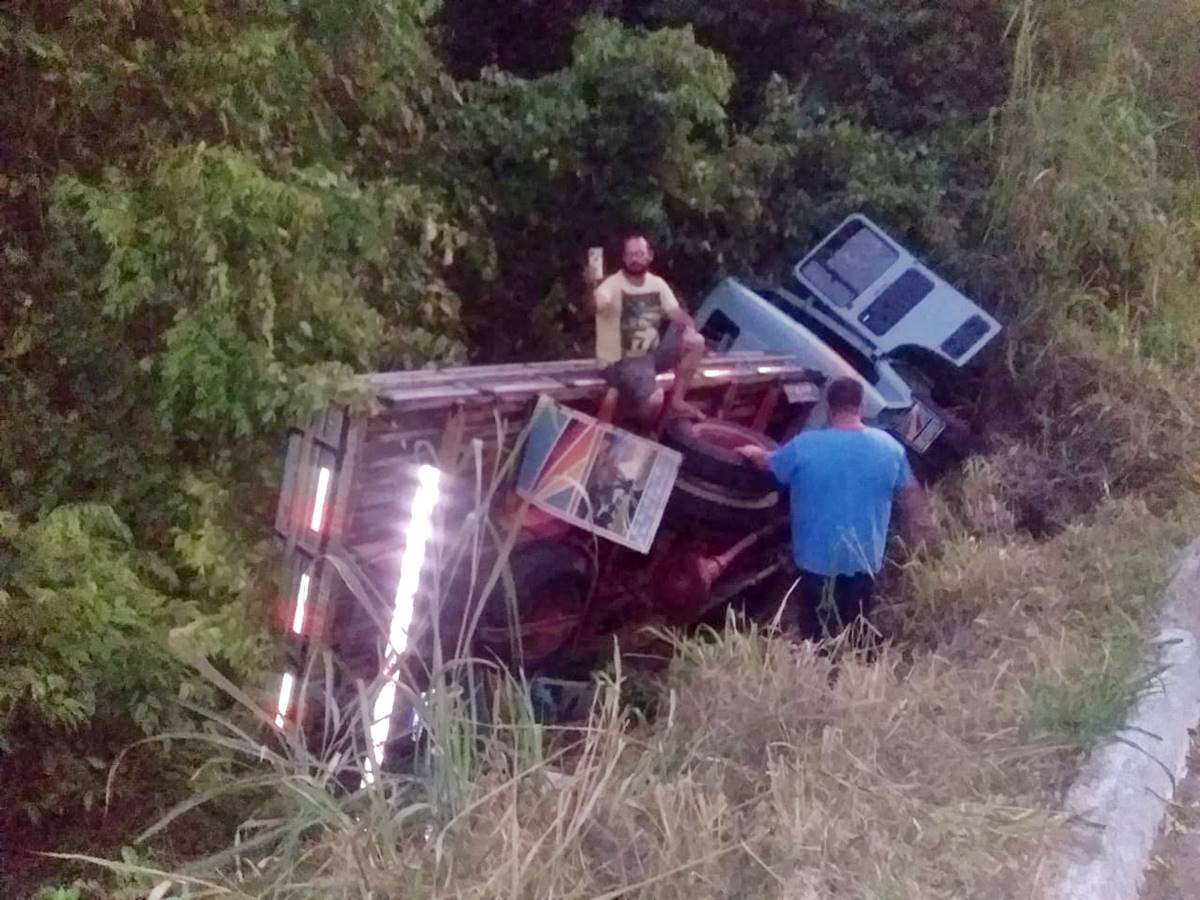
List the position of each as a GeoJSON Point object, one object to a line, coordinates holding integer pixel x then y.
{"type": "Point", "coordinates": [637, 268]}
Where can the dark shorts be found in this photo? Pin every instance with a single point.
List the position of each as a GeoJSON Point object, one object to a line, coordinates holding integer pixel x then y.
{"type": "Point", "coordinates": [634, 376]}
{"type": "Point", "coordinates": [823, 606]}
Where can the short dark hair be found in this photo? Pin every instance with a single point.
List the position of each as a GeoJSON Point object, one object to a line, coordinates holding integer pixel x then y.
{"type": "Point", "coordinates": [636, 236]}
{"type": "Point", "coordinates": [845, 393]}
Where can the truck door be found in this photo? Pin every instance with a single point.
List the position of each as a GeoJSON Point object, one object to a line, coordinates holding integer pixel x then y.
{"type": "Point", "coordinates": [864, 282]}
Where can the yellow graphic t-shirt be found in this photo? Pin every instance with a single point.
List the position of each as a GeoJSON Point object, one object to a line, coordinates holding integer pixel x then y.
{"type": "Point", "coordinates": [628, 315]}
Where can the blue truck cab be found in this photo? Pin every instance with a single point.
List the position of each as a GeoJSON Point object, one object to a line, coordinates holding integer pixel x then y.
{"type": "Point", "coordinates": [860, 305]}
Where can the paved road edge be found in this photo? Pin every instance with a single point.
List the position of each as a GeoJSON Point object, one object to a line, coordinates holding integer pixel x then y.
{"type": "Point", "coordinates": [1121, 795]}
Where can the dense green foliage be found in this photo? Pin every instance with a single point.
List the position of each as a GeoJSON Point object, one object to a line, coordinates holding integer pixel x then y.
{"type": "Point", "coordinates": [205, 229]}
{"type": "Point", "coordinates": [211, 213]}
{"type": "Point", "coordinates": [1100, 182]}
{"type": "Point", "coordinates": [73, 632]}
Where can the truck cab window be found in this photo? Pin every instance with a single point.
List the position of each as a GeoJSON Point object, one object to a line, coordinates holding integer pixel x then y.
{"type": "Point", "coordinates": [849, 263]}
{"type": "Point", "coordinates": [720, 332]}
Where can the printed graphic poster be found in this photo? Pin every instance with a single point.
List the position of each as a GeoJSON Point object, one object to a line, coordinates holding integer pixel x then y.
{"type": "Point", "coordinates": [595, 476]}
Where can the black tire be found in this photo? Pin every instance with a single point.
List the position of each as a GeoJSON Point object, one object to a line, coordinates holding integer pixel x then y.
{"type": "Point", "coordinates": [537, 566]}
{"type": "Point", "coordinates": [551, 582]}
{"type": "Point", "coordinates": [708, 450]}
{"type": "Point", "coordinates": [698, 502]}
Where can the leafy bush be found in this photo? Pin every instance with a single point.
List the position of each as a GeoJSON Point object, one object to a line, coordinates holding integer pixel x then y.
{"type": "Point", "coordinates": [256, 283]}
{"type": "Point", "coordinates": [82, 622]}
{"type": "Point", "coordinates": [637, 134]}
{"type": "Point", "coordinates": [84, 617]}
{"type": "Point", "coordinates": [548, 166]}
{"type": "Point", "coordinates": [899, 65]}
{"type": "Point", "coordinates": [206, 224]}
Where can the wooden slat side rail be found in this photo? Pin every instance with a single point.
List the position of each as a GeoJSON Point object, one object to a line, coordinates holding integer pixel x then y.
{"type": "Point", "coordinates": [405, 388]}
{"type": "Point", "coordinates": [339, 516]}
{"type": "Point", "coordinates": [553, 368]}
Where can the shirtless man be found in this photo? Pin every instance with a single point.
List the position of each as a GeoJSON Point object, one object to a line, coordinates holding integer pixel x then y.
{"type": "Point", "coordinates": [631, 308]}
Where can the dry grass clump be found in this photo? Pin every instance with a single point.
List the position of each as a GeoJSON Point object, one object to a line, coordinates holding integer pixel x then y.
{"type": "Point", "coordinates": [765, 776]}
{"type": "Point", "coordinates": [1084, 423]}
{"type": "Point", "coordinates": [889, 777]}
{"type": "Point", "coordinates": [1063, 618]}
{"type": "Point", "coordinates": [772, 770]}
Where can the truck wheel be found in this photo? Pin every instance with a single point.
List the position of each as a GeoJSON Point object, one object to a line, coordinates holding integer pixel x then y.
{"type": "Point", "coordinates": [698, 502]}
{"type": "Point", "coordinates": [551, 581]}
{"type": "Point", "coordinates": [709, 450]}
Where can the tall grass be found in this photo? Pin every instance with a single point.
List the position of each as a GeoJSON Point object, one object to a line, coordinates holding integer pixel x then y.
{"type": "Point", "coordinates": [770, 770]}
{"type": "Point", "coordinates": [1099, 399]}
{"type": "Point", "coordinates": [1105, 233]}
{"type": "Point", "coordinates": [1068, 617]}
{"type": "Point", "coordinates": [765, 776]}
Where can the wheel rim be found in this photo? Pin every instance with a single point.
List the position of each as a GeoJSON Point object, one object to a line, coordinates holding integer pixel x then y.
{"type": "Point", "coordinates": [726, 436]}
{"type": "Point", "coordinates": [716, 493]}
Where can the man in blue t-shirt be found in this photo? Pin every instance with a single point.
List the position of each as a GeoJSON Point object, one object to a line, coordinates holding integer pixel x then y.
{"type": "Point", "coordinates": [842, 480]}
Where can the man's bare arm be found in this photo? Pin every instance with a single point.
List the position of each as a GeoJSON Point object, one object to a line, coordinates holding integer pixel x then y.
{"type": "Point", "coordinates": [591, 286]}
{"type": "Point", "coordinates": [919, 524]}
{"type": "Point", "coordinates": [682, 316]}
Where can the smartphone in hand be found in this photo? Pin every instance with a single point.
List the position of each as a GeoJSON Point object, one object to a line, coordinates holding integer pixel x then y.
{"type": "Point", "coordinates": [595, 265]}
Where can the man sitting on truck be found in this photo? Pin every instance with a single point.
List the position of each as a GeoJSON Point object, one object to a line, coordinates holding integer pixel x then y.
{"type": "Point", "coordinates": [631, 308]}
{"type": "Point", "coordinates": [842, 481]}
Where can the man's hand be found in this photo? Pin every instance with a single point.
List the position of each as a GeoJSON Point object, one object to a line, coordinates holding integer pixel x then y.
{"type": "Point", "coordinates": [755, 455]}
{"type": "Point", "coordinates": [919, 524]}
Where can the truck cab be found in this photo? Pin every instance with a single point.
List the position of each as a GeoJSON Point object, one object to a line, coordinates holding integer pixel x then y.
{"type": "Point", "coordinates": [860, 305]}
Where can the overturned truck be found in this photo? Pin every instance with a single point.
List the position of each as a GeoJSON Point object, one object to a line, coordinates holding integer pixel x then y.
{"type": "Point", "coordinates": [504, 514]}
{"type": "Point", "coordinates": [500, 513]}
